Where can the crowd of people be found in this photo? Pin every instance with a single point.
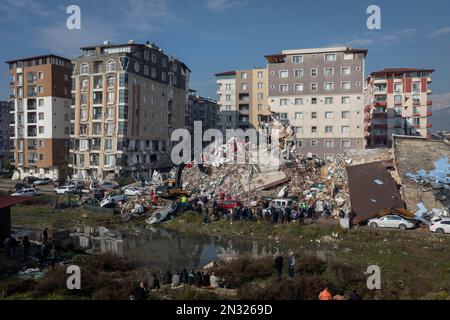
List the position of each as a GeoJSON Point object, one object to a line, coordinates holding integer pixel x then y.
{"type": "Point", "coordinates": [176, 280]}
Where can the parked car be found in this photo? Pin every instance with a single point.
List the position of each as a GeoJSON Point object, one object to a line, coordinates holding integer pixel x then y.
{"type": "Point", "coordinates": [130, 191]}
{"type": "Point", "coordinates": [21, 185]}
{"type": "Point", "coordinates": [42, 182]}
{"type": "Point", "coordinates": [279, 204]}
{"type": "Point", "coordinates": [112, 200]}
{"type": "Point", "coordinates": [392, 221]}
{"type": "Point", "coordinates": [65, 190]}
{"type": "Point", "coordinates": [109, 185]}
{"type": "Point", "coordinates": [441, 226]}
{"type": "Point", "coordinates": [30, 180]}
{"type": "Point", "coordinates": [25, 192]}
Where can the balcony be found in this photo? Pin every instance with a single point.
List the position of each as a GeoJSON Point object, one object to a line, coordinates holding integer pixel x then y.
{"type": "Point", "coordinates": [429, 114]}
{"type": "Point", "coordinates": [429, 102]}
{"type": "Point", "coordinates": [380, 126]}
{"type": "Point", "coordinates": [429, 126]}
{"type": "Point", "coordinates": [380, 103]}
{"type": "Point", "coordinates": [32, 120]}
{"type": "Point", "coordinates": [98, 115]}
{"type": "Point", "coordinates": [32, 133]}
{"type": "Point", "coordinates": [31, 105]}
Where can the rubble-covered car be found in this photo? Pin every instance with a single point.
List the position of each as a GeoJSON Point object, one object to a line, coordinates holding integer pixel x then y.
{"type": "Point", "coordinates": [130, 191]}
{"type": "Point", "coordinates": [111, 201]}
{"type": "Point", "coordinates": [162, 214]}
{"type": "Point", "coordinates": [109, 185]}
{"type": "Point", "coordinates": [280, 204]}
{"type": "Point", "coordinates": [442, 226]}
{"type": "Point", "coordinates": [392, 221]}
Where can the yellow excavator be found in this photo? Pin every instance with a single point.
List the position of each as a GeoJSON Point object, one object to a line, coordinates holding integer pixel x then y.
{"type": "Point", "coordinates": [173, 187]}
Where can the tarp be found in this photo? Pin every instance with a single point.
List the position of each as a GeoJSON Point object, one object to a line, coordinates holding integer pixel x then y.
{"type": "Point", "coordinates": [372, 189]}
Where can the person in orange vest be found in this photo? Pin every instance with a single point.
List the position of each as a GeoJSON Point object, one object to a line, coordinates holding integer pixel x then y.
{"type": "Point", "coordinates": [325, 295]}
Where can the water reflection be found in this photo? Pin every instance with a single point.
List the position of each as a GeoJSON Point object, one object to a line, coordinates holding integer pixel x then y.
{"type": "Point", "coordinates": [167, 249]}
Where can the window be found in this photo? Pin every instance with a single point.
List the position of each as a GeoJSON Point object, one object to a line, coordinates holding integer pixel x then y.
{"type": "Point", "coordinates": [299, 143]}
{"type": "Point", "coordinates": [260, 107]}
{"type": "Point", "coordinates": [41, 130]}
{"type": "Point", "coordinates": [328, 100]}
{"type": "Point", "coordinates": [260, 85]}
{"type": "Point", "coordinates": [146, 70]}
{"type": "Point", "coordinates": [345, 100]}
{"type": "Point", "coordinates": [299, 115]}
{"type": "Point", "coordinates": [284, 88]}
{"type": "Point", "coordinates": [41, 75]}
{"type": "Point", "coordinates": [345, 114]}
{"type": "Point", "coordinates": [41, 116]}
{"type": "Point", "coordinates": [313, 115]}
{"type": "Point", "coordinates": [398, 87]}
{"type": "Point", "coordinates": [284, 73]}
{"type": "Point", "coordinates": [244, 75]}
{"type": "Point", "coordinates": [243, 86]}
{"type": "Point", "coordinates": [260, 74]}
{"type": "Point", "coordinates": [328, 72]}
{"type": "Point", "coordinates": [298, 101]}
{"type": "Point", "coordinates": [228, 97]}
{"type": "Point", "coordinates": [330, 57]}
{"type": "Point", "coordinates": [298, 73]}
{"type": "Point", "coordinates": [153, 58]}
{"type": "Point", "coordinates": [299, 87]}
{"type": "Point", "coordinates": [313, 100]}
{"type": "Point", "coordinates": [314, 72]}
{"type": "Point", "coordinates": [260, 96]}
{"type": "Point", "coordinates": [328, 129]}
{"type": "Point", "coordinates": [345, 143]}
{"type": "Point", "coordinates": [41, 102]}
{"type": "Point", "coordinates": [153, 73]}
{"type": "Point", "coordinates": [329, 86]}
{"type": "Point", "coordinates": [110, 96]}
{"type": "Point", "coordinates": [228, 87]}
{"type": "Point", "coordinates": [345, 71]}
{"type": "Point", "coordinates": [164, 63]}
{"type": "Point", "coordinates": [313, 129]}
{"type": "Point", "coordinates": [346, 85]}
{"type": "Point", "coordinates": [41, 89]}
{"type": "Point", "coordinates": [283, 116]}
{"type": "Point", "coordinates": [328, 143]}
{"type": "Point", "coordinates": [163, 76]}
{"type": "Point", "coordinates": [283, 102]}
{"type": "Point", "coordinates": [416, 98]}
{"type": "Point", "coordinates": [314, 86]}
{"type": "Point", "coordinates": [110, 82]}
{"type": "Point", "coordinates": [398, 99]}
{"type": "Point", "coordinates": [345, 129]}
{"type": "Point", "coordinates": [328, 115]}
{"type": "Point", "coordinates": [108, 144]}
{"type": "Point", "coordinates": [298, 130]}
{"type": "Point", "coordinates": [111, 66]}
{"type": "Point", "coordinates": [84, 69]}
{"type": "Point", "coordinates": [146, 55]}
{"type": "Point", "coordinates": [348, 56]}
{"type": "Point", "coordinates": [297, 59]}
{"type": "Point", "coordinates": [314, 143]}
{"type": "Point", "coordinates": [416, 87]}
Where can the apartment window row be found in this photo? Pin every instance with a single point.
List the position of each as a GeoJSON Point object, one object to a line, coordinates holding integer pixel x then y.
{"type": "Point", "coordinates": [326, 129]}
{"type": "Point", "coordinates": [327, 143]}
{"type": "Point", "coordinates": [327, 86]}
{"type": "Point", "coordinates": [327, 115]}
{"type": "Point", "coordinates": [300, 101]}
{"type": "Point", "coordinates": [314, 72]}
{"type": "Point", "coordinates": [327, 57]}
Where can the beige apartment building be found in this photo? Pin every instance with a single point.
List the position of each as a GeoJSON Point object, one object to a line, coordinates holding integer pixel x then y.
{"type": "Point", "coordinates": [126, 101]}
{"type": "Point", "coordinates": [242, 96]}
{"type": "Point", "coordinates": [320, 93]}
{"type": "Point", "coordinates": [397, 102]}
{"type": "Point", "coordinates": [40, 92]}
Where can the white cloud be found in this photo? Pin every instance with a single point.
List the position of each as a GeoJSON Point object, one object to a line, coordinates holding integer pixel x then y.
{"type": "Point", "coordinates": [223, 5]}
{"type": "Point", "coordinates": [382, 38]}
{"type": "Point", "coordinates": [439, 32]}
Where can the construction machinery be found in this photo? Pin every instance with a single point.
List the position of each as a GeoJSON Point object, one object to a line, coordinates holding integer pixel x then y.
{"type": "Point", "coordinates": [173, 187]}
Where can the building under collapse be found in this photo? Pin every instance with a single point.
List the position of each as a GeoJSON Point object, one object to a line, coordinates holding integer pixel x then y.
{"type": "Point", "coordinates": [126, 101]}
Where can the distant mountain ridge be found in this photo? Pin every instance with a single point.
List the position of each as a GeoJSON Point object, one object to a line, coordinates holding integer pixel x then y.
{"type": "Point", "coordinates": [441, 119]}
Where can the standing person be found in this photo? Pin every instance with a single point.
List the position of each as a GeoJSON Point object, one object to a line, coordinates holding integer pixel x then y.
{"type": "Point", "coordinates": [45, 235]}
{"type": "Point", "coordinates": [205, 214]}
{"type": "Point", "coordinates": [167, 278]}
{"type": "Point", "coordinates": [214, 281]}
{"type": "Point", "coordinates": [176, 280]}
{"type": "Point", "coordinates": [325, 295]}
{"type": "Point", "coordinates": [141, 292]}
{"type": "Point", "coordinates": [291, 266]}
{"type": "Point", "coordinates": [191, 278]}
{"type": "Point", "coordinates": [278, 263]}
{"type": "Point", "coordinates": [14, 246]}
{"type": "Point", "coordinates": [26, 244]}
{"type": "Point", "coordinates": [184, 276]}
{"type": "Point", "coordinates": [52, 256]}
{"type": "Point", "coordinates": [259, 213]}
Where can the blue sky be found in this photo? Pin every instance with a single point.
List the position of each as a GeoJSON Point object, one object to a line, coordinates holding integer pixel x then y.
{"type": "Point", "coordinates": [219, 35]}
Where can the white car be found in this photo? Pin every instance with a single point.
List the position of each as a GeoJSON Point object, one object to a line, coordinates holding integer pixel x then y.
{"type": "Point", "coordinates": [65, 190]}
{"type": "Point", "coordinates": [392, 221]}
{"type": "Point", "coordinates": [26, 192]}
{"type": "Point", "coordinates": [441, 226]}
{"type": "Point", "coordinates": [112, 200]}
{"type": "Point", "coordinates": [129, 191]}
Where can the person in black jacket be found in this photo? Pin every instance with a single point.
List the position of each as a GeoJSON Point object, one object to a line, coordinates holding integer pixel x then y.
{"type": "Point", "coordinates": [141, 292]}
{"type": "Point", "coordinates": [167, 277]}
{"type": "Point", "coordinates": [184, 276]}
{"type": "Point", "coordinates": [278, 263]}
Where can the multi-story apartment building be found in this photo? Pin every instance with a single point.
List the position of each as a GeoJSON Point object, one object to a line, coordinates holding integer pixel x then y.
{"type": "Point", "coordinates": [242, 96]}
{"type": "Point", "coordinates": [126, 101]}
{"type": "Point", "coordinates": [226, 94]}
{"type": "Point", "coordinates": [201, 109]}
{"type": "Point", "coordinates": [5, 142]}
{"type": "Point", "coordinates": [40, 92]}
{"type": "Point", "coordinates": [320, 92]}
{"type": "Point", "coordinates": [397, 102]}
